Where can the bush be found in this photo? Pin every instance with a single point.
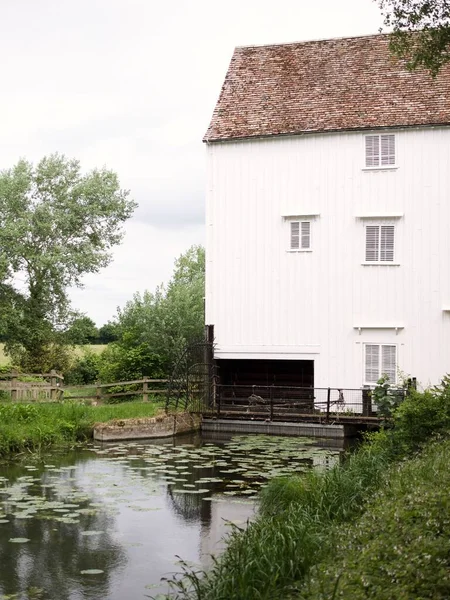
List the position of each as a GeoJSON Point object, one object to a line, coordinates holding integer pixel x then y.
{"type": "Point", "coordinates": [85, 369]}
{"type": "Point", "coordinates": [400, 548]}
{"type": "Point", "coordinates": [119, 363]}
{"type": "Point", "coordinates": [421, 416]}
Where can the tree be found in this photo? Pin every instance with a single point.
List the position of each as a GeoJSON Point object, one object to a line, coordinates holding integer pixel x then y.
{"type": "Point", "coordinates": [154, 327]}
{"type": "Point", "coordinates": [107, 333]}
{"type": "Point", "coordinates": [57, 224]}
{"type": "Point", "coordinates": [82, 331]}
{"type": "Point", "coordinates": [421, 31]}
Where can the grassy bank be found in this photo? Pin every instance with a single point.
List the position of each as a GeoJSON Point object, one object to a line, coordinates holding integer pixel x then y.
{"type": "Point", "coordinates": [303, 520]}
{"type": "Point", "coordinates": [31, 427]}
{"type": "Point", "coordinates": [400, 547]}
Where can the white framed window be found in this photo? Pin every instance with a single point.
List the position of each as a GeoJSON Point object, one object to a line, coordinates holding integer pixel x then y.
{"type": "Point", "coordinates": [300, 235]}
{"type": "Point", "coordinates": [380, 151]}
{"type": "Point", "coordinates": [380, 359]}
{"type": "Point", "coordinates": [380, 243]}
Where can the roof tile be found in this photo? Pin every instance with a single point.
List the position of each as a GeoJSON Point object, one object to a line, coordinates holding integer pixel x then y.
{"type": "Point", "coordinates": [327, 85]}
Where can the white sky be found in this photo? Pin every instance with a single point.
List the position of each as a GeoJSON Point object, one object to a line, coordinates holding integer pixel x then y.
{"type": "Point", "coordinates": [131, 84]}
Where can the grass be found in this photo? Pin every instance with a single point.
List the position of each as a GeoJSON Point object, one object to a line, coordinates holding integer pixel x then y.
{"type": "Point", "coordinates": [400, 547]}
{"type": "Point", "coordinates": [32, 427]}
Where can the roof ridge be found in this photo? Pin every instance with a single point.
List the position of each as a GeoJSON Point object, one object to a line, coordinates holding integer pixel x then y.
{"type": "Point", "coordinates": [316, 40]}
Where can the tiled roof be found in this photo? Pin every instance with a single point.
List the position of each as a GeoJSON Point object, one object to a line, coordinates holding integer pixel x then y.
{"type": "Point", "coordinates": [329, 85]}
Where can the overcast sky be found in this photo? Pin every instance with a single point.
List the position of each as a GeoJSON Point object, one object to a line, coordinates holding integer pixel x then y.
{"type": "Point", "coordinates": [131, 84]}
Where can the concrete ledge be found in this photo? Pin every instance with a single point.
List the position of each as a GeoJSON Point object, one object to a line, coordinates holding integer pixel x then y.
{"type": "Point", "coordinates": [154, 427]}
{"type": "Point", "coordinates": [318, 430]}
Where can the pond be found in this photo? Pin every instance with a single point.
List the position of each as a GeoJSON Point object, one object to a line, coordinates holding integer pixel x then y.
{"type": "Point", "coordinates": [108, 521]}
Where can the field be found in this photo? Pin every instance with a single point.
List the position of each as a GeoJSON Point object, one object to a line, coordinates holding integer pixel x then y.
{"type": "Point", "coordinates": [78, 350]}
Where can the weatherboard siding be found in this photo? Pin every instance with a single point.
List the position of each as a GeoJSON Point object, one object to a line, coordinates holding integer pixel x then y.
{"type": "Point", "coordinates": [265, 301]}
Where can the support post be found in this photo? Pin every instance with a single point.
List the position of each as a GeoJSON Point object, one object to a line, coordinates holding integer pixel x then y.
{"type": "Point", "coordinates": [218, 392]}
{"type": "Point", "coordinates": [98, 393]}
{"type": "Point", "coordinates": [327, 418]}
{"type": "Point", "coordinates": [367, 402]}
{"type": "Point", "coordinates": [14, 374]}
{"type": "Point", "coordinates": [271, 402]}
{"type": "Point", "coordinates": [145, 389]}
{"type": "Point", "coordinates": [53, 385]}
{"type": "Point", "coordinates": [209, 364]}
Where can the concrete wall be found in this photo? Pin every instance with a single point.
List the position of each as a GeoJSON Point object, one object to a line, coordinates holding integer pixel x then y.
{"type": "Point", "coordinates": [155, 427]}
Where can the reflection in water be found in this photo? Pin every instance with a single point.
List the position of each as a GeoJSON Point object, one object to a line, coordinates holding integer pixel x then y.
{"type": "Point", "coordinates": [49, 565]}
{"type": "Point", "coordinates": [128, 510]}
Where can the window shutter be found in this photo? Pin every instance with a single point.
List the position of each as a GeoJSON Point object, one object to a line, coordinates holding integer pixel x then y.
{"type": "Point", "coordinates": [389, 362]}
{"type": "Point", "coordinates": [306, 235]}
{"type": "Point", "coordinates": [372, 366]}
{"type": "Point", "coordinates": [372, 242]}
{"type": "Point", "coordinates": [388, 149]}
{"type": "Point", "coordinates": [387, 243]}
{"type": "Point", "coordinates": [295, 235]}
{"type": "Point", "coordinates": [372, 150]}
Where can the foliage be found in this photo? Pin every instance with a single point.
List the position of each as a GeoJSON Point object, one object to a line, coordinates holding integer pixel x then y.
{"type": "Point", "coordinates": [409, 555]}
{"type": "Point", "coordinates": [121, 362]}
{"type": "Point", "coordinates": [421, 416]}
{"type": "Point", "coordinates": [82, 331]}
{"type": "Point", "coordinates": [387, 397]}
{"type": "Point", "coordinates": [108, 333]}
{"type": "Point", "coordinates": [35, 426]}
{"type": "Point", "coordinates": [84, 370]}
{"type": "Point", "coordinates": [153, 328]}
{"type": "Point", "coordinates": [421, 31]}
{"type": "Point", "coordinates": [57, 225]}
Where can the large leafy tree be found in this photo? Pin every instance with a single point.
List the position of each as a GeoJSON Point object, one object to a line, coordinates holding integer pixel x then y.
{"type": "Point", "coordinates": [57, 224]}
{"type": "Point", "coordinates": [154, 327]}
{"type": "Point", "coordinates": [420, 31]}
{"type": "Point", "coordinates": [82, 331]}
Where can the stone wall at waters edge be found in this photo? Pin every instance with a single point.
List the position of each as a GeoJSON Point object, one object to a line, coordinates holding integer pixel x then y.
{"type": "Point", "coordinates": [154, 427]}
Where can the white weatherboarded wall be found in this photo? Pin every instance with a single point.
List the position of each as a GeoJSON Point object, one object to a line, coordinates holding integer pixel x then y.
{"type": "Point", "coordinates": [268, 302]}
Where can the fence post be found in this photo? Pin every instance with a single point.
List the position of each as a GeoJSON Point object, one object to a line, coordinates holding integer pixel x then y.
{"type": "Point", "coordinates": [271, 402]}
{"type": "Point", "coordinates": [327, 418]}
{"type": "Point", "coordinates": [218, 400]}
{"type": "Point", "coordinates": [366, 401]}
{"type": "Point", "coordinates": [14, 374]}
{"type": "Point", "coordinates": [98, 393]}
{"type": "Point", "coordinates": [53, 384]}
{"type": "Point", "coordinates": [145, 389]}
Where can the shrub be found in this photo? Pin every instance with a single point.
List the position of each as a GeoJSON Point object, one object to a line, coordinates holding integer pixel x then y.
{"type": "Point", "coordinates": [85, 369]}
{"type": "Point", "coordinates": [421, 416]}
{"type": "Point", "coordinates": [119, 363]}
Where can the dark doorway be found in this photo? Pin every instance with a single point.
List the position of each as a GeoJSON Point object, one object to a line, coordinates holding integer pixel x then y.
{"type": "Point", "coordinates": [265, 372]}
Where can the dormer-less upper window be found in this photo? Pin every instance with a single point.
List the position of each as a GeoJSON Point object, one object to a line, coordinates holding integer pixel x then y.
{"type": "Point", "coordinates": [380, 150]}
{"type": "Point", "coordinates": [300, 235]}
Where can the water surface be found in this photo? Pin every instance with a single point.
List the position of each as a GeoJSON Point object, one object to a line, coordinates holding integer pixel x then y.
{"type": "Point", "coordinates": [108, 521]}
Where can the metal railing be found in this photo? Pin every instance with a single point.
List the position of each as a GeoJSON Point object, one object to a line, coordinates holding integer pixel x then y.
{"type": "Point", "coordinates": [289, 402]}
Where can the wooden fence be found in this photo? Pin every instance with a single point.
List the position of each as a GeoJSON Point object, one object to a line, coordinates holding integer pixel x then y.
{"type": "Point", "coordinates": [140, 388]}
{"type": "Point", "coordinates": [48, 389]}
{"type": "Point", "coordinates": [51, 388]}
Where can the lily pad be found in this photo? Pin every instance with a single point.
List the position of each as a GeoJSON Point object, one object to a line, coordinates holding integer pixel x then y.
{"type": "Point", "coordinates": [92, 572]}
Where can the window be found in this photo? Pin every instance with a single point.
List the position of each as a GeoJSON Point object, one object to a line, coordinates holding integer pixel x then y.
{"type": "Point", "coordinates": [300, 235]}
{"type": "Point", "coordinates": [380, 243]}
{"type": "Point", "coordinates": [380, 150]}
{"type": "Point", "coordinates": [380, 360]}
